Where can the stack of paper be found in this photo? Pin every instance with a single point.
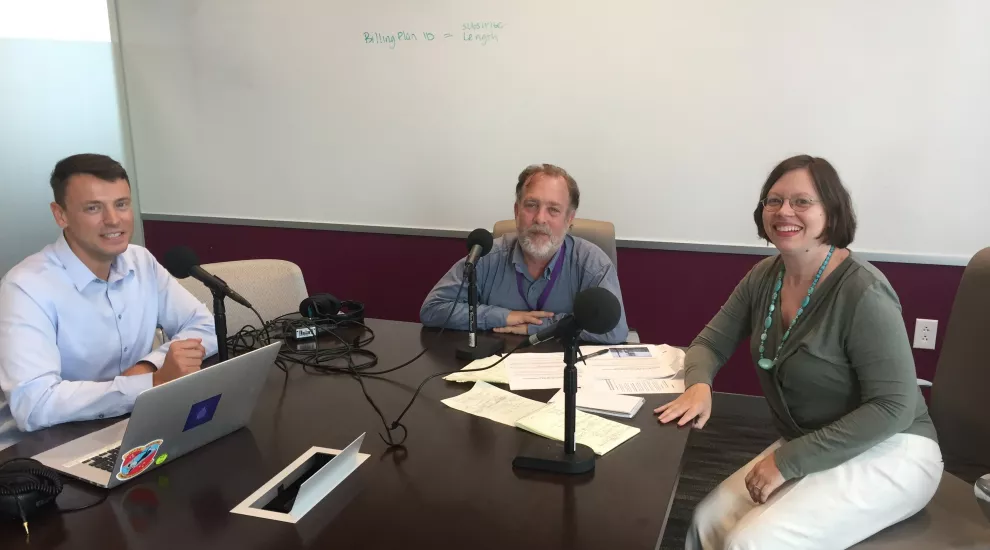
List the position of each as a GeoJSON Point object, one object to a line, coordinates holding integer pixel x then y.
{"type": "Point", "coordinates": [487, 401]}
{"type": "Point", "coordinates": [631, 369]}
{"type": "Point", "coordinates": [612, 404]}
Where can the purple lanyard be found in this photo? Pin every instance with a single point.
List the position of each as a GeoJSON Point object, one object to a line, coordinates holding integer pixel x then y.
{"type": "Point", "coordinates": [554, 273]}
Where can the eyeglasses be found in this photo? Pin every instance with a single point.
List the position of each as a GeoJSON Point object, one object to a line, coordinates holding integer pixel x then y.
{"type": "Point", "coordinates": [798, 204]}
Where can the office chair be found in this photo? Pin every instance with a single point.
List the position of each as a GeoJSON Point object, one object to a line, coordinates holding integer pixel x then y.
{"type": "Point", "coordinates": [274, 287]}
{"type": "Point", "coordinates": [954, 518]}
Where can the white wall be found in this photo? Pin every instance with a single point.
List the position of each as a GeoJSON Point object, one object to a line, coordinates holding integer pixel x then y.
{"type": "Point", "coordinates": [669, 113]}
{"type": "Point", "coordinates": [58, 97]}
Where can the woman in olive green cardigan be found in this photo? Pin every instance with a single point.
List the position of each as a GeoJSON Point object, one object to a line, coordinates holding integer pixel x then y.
{"type": "Point", "coordinates": [858, 450]}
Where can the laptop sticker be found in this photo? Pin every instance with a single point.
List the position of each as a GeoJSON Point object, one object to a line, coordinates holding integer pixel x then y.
{"type": "Point", "coordinates": [161, 458]}
{"type": "Point", "coordinates": [138, 459]}
{"type": "Point", "coordinates": [202, 412]}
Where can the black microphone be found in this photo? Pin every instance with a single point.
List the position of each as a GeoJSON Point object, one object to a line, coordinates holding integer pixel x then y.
{"type": "Point", "coordinates": [596, 310]}
{"type": "Point", "coordinates": [479, 243]}
{"type": "Point", "coordinates": [182, 262]}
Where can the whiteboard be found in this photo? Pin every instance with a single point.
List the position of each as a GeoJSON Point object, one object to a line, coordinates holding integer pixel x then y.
{"type": "Point", "coordinates": [669, 114]}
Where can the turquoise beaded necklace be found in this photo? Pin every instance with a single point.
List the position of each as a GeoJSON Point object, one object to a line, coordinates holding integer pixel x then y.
{"type": "Point", "coordinates": [767, 364]}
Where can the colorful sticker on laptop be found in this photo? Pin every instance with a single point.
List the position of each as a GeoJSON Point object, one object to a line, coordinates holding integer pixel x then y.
{"type": "Point", "coordinates": [138, 459]}
{"type": "Point", "coordinates": [161, 458]}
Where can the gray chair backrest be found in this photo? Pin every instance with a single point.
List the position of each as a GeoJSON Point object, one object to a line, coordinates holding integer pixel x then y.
{"type": "Point", "coordinates": [598, 232]}
{"type": "Point", "coordinates": [960, 399]}
{"type": "Point", "coordinates": [274, 287]}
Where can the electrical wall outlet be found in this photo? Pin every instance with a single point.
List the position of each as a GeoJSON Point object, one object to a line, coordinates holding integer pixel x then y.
{"type": "Point", "coordinates": [924, 333]}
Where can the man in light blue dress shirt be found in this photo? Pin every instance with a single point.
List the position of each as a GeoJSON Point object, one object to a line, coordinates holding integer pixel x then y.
{"type": "Point", "coordinates": [529, 280]}
{"type": "Point", "coordinates": [77, 320]}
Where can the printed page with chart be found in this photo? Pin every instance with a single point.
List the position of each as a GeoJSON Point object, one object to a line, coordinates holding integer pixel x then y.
{"type": "Point", "coordinates": [639, 361]}
{"type": "Point", "coordinates": [635, 387]}
{"type": "Point", "coordinates": [538, 371]}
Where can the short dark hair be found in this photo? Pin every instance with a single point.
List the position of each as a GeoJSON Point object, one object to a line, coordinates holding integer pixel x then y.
{"type": "Point", "coordinates": [840, 226]}
{"type": "Point", "coordinates": [100, 166]}
{"type": "Point", "coordinates": [555, 171]}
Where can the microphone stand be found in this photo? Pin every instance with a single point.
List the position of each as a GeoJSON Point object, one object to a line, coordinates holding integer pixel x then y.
{"type": "Point", "coordinates": [478, 346]}
{"type": "Point", "coordinates": [569, 457]}
{"type": "Point", "coordinates": [220, 323]}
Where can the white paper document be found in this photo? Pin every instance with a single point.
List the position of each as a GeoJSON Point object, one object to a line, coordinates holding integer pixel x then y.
{"type": "Point", "coordinates": [487, 401]}
{"type": "Point", "coordinates": [494, 375]}
{"type": "Point", "coordinates": [634, 387]}
{"type": "Point", "coordinates": [600, 434]}
{"type": "Point", "coordinates": [537, 371]}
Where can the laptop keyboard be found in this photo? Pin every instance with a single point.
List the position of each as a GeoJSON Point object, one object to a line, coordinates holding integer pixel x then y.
{"type": "Point", "coordinates": [104, 461]}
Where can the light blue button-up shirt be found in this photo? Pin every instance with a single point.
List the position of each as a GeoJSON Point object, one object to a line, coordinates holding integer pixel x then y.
{"type": "Point", "coordinates": [584, 266]}
{"type": "Point", "coordinates": [66, 335]}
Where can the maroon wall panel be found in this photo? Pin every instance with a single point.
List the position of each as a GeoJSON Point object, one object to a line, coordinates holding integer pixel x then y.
{"type": "Point", "coordinates": [669, 295]}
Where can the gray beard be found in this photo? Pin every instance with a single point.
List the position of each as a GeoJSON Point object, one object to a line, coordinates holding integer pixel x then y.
{"type": "Point", "coordinates": [540, 252]}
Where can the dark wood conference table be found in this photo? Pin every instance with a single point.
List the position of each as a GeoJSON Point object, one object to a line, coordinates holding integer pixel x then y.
{"type": "Point", "coordinates": [452, 486]}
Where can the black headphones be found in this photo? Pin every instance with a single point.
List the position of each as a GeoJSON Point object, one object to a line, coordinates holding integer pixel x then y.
{"type": "Point", "coordinates": [327, 307]}
{"type": "Point", "coordinates": [26, 487]}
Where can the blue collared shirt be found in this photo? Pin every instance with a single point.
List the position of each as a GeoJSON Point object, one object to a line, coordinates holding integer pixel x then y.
{"type": "Point", "coordinates": [585, 266]}
{"type": "Point", "coordinates": [66, 335]}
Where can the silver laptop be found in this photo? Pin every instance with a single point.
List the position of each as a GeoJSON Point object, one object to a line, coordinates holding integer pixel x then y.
{"type": "Point", "coordinates": [168, 421]}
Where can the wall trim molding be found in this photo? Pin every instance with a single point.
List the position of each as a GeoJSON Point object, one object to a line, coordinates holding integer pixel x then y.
{"type": "Point", "coordinates": [124, 108]}
{"type": "Point", "coordinates": [621, 243]}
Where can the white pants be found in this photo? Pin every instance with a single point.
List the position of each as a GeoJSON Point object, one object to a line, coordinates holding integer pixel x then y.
{"type": "Point", "coordinates": [835, 508]}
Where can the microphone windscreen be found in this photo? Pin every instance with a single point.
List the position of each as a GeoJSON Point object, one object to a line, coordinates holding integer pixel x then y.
{"type": "Point", "coordinates": [596, 310]}
{"type": "Point", "coordinates": [482, 238]}
{"type": "Point", "coordinates": [179, 260]}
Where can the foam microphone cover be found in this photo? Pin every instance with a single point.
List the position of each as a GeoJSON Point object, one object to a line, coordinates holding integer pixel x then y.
{"type": "Point", "coordinates": [482, 238]}
{"type": "Point", "coordinates": [179, 260]}
{"type": "Point", "coordinates": [597, 310]}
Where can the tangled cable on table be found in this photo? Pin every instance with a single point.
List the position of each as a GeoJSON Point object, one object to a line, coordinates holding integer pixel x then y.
{"type": "Point", "coordinates": [342, 356]}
